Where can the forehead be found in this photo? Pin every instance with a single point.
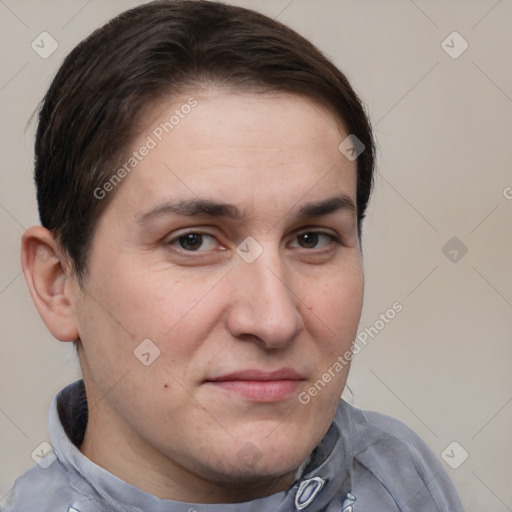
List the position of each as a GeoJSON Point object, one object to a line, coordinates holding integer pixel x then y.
{"type": "Point", "coordinates": [253, 149]}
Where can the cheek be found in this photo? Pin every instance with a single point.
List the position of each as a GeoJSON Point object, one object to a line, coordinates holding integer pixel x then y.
{"type": "Point", "coordinates": [334, 307]}
{"type": "Point", "coordinates": [175, 310]}
{"type": "Point", "coordinates": [332, 317]}
{"type": "Point", "coordinates": [150, 302]}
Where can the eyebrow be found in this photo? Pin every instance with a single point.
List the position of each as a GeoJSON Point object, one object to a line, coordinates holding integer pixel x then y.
{"type": "Point", "coordinates": [191, 208]}
{"type": "Point", "coordinates": [327, 206]}
{"type": "Point", "coordinates": [208, 208]}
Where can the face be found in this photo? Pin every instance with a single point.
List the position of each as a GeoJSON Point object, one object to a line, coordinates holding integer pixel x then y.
{"type": "Point", "coordinates": [232, 247]}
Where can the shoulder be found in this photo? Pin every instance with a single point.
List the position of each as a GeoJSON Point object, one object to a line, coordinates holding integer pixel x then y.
{"type": "Point", "coordinates": [372, 429]}
{"type": "Point", "coordinates": [387, 429]}
{"type": "Point", "coordinates": [389, 454]}
{"type": "Point", "coordinates": [50, 489]}
{"type": "Point", "coordinates": [33, 488]}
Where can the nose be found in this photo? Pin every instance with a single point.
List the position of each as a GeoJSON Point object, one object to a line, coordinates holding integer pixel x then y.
{"type": "Point", "coordinates": [264, 307]}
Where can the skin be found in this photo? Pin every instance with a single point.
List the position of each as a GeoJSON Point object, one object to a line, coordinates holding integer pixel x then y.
{"type": "Point", "coordinates": [165, 427]}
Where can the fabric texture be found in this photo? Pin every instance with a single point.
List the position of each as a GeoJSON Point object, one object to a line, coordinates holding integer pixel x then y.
{"type": "Point", "coordinates": [367, 462]}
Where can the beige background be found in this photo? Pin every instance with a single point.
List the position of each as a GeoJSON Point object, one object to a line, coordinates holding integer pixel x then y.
{"type": "Point", "coordinates": [444, 130]}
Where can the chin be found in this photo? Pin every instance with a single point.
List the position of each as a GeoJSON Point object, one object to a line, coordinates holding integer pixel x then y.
{"type": "Point", "coordinates": [264, 478]}
{"type": "Point", "coordinates": [256, 462]}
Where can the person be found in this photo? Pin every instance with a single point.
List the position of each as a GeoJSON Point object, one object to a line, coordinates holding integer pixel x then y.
{"type": "Point", "coordinates": [202, 177]}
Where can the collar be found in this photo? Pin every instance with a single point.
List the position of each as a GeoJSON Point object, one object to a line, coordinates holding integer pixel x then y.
{"type": "Point", "coordinates": [326, 479]}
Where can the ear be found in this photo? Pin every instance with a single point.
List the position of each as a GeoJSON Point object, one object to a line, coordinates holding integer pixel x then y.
{"type": "Point", "coordinates": [50, 282]}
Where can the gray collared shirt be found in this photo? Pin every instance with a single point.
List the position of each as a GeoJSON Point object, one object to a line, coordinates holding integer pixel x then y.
{"type": "Point", "coordinates": [367, 462]}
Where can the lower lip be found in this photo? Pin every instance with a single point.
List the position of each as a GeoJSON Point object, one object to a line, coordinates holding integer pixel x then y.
{"type": "Point", "coordinates": [260, 390]}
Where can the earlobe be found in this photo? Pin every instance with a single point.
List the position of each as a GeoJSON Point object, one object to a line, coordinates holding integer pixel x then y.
{"type": "Point", "coordinates": [50, 282]}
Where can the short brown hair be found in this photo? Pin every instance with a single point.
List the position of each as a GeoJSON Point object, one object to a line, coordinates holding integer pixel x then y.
{"type": "Point", "coordinates": [91, 111]}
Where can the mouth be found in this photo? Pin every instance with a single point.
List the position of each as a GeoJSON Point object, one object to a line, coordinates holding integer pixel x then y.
{"type": "Point", "coordinates": [258, 385]}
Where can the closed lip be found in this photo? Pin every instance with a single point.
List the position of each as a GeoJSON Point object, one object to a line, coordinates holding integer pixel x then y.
{"type": "Point", "coordinates": [259, 385]}
{"type": "Point", "coordinates": [259, 375]}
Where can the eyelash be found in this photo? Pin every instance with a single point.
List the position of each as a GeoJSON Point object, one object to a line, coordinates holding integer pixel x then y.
{"type": "Point", "coordinates": [176, 239]}
{"type": "Point", "coordinates": [333, 238]}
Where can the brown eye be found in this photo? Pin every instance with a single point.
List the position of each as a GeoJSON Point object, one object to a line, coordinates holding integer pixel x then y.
{"type": "Point", "coordinates": [191, 241]}
{"type": "Point", "coordinates": [314, 240]}
{"type": "Point", "coordinates": [308, 240]}
{"type": "Point", "coordinates": [195, 241]}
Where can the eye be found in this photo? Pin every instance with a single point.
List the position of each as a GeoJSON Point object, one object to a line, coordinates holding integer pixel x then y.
{"type": "Point", "coordinates": [313, 240]}
{"type": "Point", "coordinates": [194, 242]}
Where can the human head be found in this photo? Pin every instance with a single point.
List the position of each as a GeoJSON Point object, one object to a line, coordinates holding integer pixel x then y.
{"type": "Point", "coordinates": [94, 106]}
{"type": "Point", "coordinates": [267, 113]}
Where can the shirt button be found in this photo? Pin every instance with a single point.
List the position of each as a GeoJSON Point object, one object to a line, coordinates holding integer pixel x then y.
{"type": "Point", "coordinates": [348, 503]}
{"type": "Point", "coordinates": [308, 491]}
